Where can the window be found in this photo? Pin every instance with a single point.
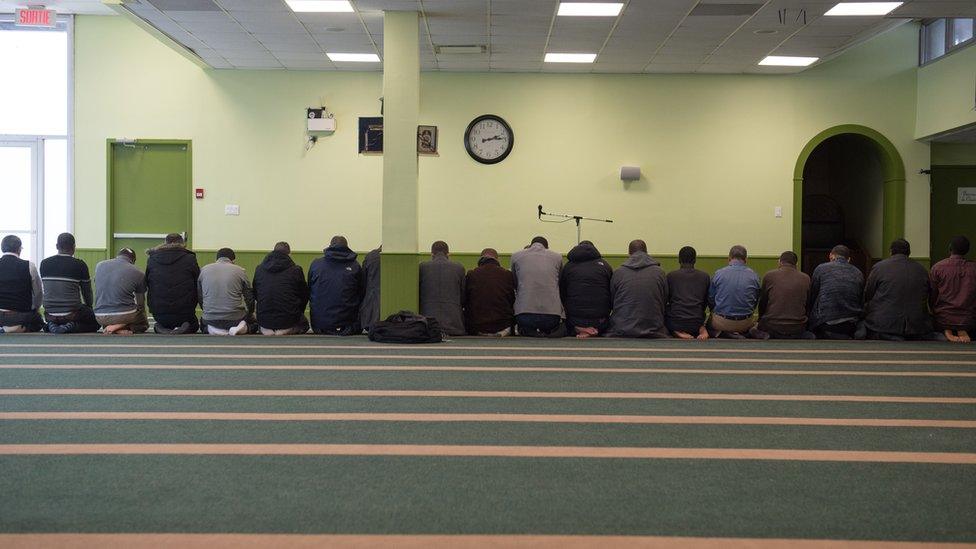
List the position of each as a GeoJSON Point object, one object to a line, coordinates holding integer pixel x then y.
{"type": "Point", "coordinates": [35, 106]}
{"type": "Point", "coordinates": [942, 36]}
{"type": "Point", "coordinates": [962, 30]}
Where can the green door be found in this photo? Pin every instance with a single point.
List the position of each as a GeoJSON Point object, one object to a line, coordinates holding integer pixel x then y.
{"type": "Point", "coordinates": [150, 194]}
{"type": "Point", "coordinates": [953, 207]}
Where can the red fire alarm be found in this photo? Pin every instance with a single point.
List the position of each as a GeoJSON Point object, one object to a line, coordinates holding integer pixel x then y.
{"type": "Point", "coordinates": [199, 193]}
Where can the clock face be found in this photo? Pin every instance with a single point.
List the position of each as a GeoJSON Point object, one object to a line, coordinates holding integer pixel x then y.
{"type": "Point", "coordinates": [489, 139]}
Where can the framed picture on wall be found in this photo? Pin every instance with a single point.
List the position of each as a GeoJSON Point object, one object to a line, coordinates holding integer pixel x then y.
{"type": "Point", "coordinates": [371, 135]}
{"type": "Point", "coordinates": [427, 139]}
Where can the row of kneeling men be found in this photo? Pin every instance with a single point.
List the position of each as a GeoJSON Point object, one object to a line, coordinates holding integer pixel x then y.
{"type": "Point", "coordinates": [540, 296]}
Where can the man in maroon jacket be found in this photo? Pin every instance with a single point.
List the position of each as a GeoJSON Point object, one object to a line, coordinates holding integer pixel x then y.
{"type": "Point", "coordinates": [489, 297]}
{"type": "Point", "coordinates": [953, 292]}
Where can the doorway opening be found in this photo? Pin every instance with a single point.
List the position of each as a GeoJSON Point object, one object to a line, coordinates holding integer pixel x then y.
{"type": "Point", "coordinates": [849, 189]}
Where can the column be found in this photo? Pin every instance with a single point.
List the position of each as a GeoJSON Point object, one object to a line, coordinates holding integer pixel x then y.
{"type": "Point", "coordinates": [399, 276]}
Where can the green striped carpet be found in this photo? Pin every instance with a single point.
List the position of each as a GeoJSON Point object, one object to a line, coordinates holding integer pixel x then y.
{"type": "Point", "coordinates": [483, 441]}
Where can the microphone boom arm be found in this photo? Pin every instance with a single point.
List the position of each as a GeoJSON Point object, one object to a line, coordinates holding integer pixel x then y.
{"type": "Point", "coordinates": [566, 217]}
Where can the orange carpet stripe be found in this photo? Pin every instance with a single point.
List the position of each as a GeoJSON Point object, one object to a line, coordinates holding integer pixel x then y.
{"type": "Point", "coordinates": [372, 393]}
{"type": "Point", "coordinates": [432, 450]}
{"type": "Point", "coordinates": [492, 418]}
{"type": "Point", "coordinates": [508, 358]}
{"type": "Point", "coordinates": [554, 369]}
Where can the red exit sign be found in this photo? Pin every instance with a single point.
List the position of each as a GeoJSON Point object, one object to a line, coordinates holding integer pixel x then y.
{"type": "Point", "coordinates": [36, 17]}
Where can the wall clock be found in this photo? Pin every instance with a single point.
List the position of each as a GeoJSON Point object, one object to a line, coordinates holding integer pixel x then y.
{"type": "Point", "coordinates": [489, 139]}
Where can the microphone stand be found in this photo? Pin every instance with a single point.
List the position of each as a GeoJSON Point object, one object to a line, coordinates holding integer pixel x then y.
{"type": "Point", "coordinates": [567, 217]}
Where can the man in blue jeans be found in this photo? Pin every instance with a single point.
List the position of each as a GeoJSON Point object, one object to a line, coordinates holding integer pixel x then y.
{"type": "Point", "coordinates": [732, 297]}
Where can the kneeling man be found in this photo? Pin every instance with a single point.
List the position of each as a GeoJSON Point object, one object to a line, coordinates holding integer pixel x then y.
{"type": "Point", "coordinates": [783, 300]}
{"type": "Point", "coordinates": [281, 293]}
{"type": "Point", "coordinates": [335, 282]}
{"type": "Point", "coordinates": [120, 295]}
{"type": "Point", "coordinates": [67, 291]}
{"type": "Point", "coordinates": [732, 297]}
{"type": "Point", "coordinates": [228, 302]}
{"type": "Point", "coordinates": [171, 280]}
{"type": "Point", "coordinates": [896, 298]}
{"type": "Point", "coordinates": [640, 296]}
{"type": "Point", "coordinates": [21, 292]}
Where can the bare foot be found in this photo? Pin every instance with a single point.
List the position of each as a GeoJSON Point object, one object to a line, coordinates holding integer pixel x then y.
{"type": "Point", "coordinates": [113, 328]}
{"type": "Point", "coordinates": [964, 336]}
{"type": "Point", "coordinates": [951, 336]}
{"type": "Point", "coordinates": [702, 334]}
{"type": "Point", "coordinates": [583, 335]}
{"type": "Point", "coordinates": [683, 335]}
{"type": "Point", "coordinates": [123, 332]}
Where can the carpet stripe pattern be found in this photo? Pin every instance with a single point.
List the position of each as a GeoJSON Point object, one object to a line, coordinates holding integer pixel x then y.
{"type": "Point", "coordinates": [148, 441]}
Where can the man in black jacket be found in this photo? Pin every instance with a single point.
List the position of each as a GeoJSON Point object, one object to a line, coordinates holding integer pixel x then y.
{"type": "Point", "coordinates": [585, 290]}
{"type": "Point", "coordinates": [335, 282]}
{"type": "Point", "coordinates": [687, 298]}
{"type": "Point", "coordinates": [896, 298]}
{"type": "Point", "coordinates": [171, 279]}
{"type": "Point", "coordinates": [281, 293]}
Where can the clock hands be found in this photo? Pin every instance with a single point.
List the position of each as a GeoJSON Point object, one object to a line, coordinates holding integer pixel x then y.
{"type": "Point", "coordinates": [495, 138]}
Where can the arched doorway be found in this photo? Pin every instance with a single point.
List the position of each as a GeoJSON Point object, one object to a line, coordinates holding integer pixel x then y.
{"type": "Point", "coordinates": [848, 187]}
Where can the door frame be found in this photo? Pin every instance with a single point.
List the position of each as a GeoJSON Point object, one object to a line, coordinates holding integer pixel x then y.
{"type": "Point", "coordinates": [893, 170]}
{"type": "Point", "coordinates": [110, 159]}
{"type": "Point", "coordinates": [36, 229]}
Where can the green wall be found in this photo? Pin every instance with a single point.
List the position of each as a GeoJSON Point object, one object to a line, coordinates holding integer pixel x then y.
{"type": "Point", "coordinates": [717, 151]}
{"type": "Point", "coordinates": [947, 93]}
{"type": "Point", "coordinates": [954, 154]}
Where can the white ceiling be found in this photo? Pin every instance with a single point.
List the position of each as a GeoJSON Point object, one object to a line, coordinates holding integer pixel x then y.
{"type": "Point", "coordinates": [649, 36]}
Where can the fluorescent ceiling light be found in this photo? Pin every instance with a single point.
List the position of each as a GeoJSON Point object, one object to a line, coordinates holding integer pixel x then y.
{"type": "Point", "coordinates": [864, 8]}
{"type": "Point", "coordinates": [354, 57]}
{"type": "Point", "coordinates": [570, 57]}
{"type": "Point", "coordinates": [782, 61]}
{"type": "Point", "coordinates": [590, 9]}
{"type": "Point", "coordinates": [320, 5]}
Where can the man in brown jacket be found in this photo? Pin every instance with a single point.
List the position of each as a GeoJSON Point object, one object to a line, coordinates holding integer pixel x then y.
{"type": "Point", "coordinates": [783, 301]}
{"type": "Point", "coordinates": [489, 297]}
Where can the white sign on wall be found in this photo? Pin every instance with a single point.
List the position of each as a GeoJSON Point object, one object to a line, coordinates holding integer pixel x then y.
{"type": "Point", "coordinates": [967, 195]}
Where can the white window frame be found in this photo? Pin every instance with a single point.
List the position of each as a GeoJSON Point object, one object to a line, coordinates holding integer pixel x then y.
{"type": "Point", "coordinates": [37, 141]}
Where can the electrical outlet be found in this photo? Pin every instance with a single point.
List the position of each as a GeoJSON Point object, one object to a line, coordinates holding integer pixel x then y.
{"type": "Point", "coordinates": [232, 209]}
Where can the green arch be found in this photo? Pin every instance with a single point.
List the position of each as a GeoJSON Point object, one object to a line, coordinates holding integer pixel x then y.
{"type": "Point", "coordinates": [893, 169]}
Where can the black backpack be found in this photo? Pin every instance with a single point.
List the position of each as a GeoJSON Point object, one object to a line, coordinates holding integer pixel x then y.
{"type": "Point", "coordinates": [406, 327]}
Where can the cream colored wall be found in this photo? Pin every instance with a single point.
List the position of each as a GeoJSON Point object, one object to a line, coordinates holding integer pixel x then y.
{"type": "Point", "coordinates": [247, 129]}
{"type": "Point", "coordinates": [947, 93]}
{"type": "Point", "coordinates": [717, 152]}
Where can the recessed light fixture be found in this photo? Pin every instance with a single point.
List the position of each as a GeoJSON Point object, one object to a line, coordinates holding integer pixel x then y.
{"type": "Point", "coordinates": [459, 49]}
{"type": "Point", "coordinates": [570, 57]}
{"type": "Point", "coordinates": [765, 31]}
{"type": "Point", "coordinates": [863, 8]}
{"type": "Point", "coordinates": [786, 61]}
{"type": "Point", "coordinates": [354, 57]}
{"type": "Point", "coordinates": [320, 6]}
{"type": "Point", "coordinates": [590, 9]}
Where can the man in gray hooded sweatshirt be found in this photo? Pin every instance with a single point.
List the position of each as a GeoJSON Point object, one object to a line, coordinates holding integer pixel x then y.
{"type": "Point", "coordinates": [640, 296]}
